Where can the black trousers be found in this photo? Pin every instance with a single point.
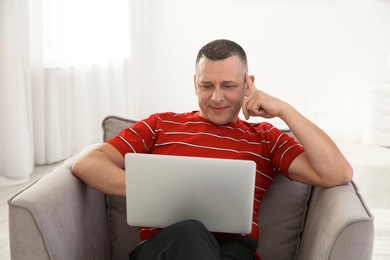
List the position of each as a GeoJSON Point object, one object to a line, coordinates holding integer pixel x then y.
{"type": "Point", "coordinates": [191, 240]}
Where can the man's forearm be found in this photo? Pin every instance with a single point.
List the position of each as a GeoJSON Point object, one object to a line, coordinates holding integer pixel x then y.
{"type": "Point", "coordinates": [323, 154]}
{"type": "Point", "coordinates": [101, 173]}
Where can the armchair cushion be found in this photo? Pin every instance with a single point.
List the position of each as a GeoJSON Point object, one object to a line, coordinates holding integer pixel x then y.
{"type": "Point", "coordinates": [123, 238]}
{"type": "Point", "coordinates": [282, 218]}
{"type": "Point", "coordinates": [286, 201]}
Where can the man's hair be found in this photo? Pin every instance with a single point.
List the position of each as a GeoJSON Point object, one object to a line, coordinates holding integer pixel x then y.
{"type": "Point", "coordinates": [220, 50]}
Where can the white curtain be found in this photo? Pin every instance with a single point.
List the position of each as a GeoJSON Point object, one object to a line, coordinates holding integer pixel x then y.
{"type": "Point", "coordinates": [16, 143]}
{"type": "Point", "coordinates": [64, 66]}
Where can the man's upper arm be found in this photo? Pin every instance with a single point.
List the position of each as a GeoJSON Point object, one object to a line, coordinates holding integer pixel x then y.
{"type": "Point", "coordinates": [115, 156]}
{"type": "Point", "coordinates": [301, 170]}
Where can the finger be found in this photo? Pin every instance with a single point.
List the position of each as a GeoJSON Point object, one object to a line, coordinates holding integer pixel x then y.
{"type": "Point", "coordinates": [251, 86]}
{"type": "Point", "coordinates": [247, 107]}
{"type": "Point", "coordinates": [245, 112]}
{"type": "Point", "coordinates": [250, 107]}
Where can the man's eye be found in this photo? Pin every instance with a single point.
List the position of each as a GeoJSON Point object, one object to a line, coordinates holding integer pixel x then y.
{"type": "Point", "coordinates": [205, 86]}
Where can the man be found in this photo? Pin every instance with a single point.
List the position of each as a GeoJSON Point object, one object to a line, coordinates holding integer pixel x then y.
{"type": "Point", "coordinates": [223, 88]}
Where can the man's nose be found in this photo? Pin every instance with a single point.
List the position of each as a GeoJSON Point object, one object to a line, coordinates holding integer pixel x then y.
{"type": "Point", "coordinates": [217, 95]}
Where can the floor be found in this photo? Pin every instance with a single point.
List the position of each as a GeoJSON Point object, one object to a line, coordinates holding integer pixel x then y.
{"type": "Point", "coordinates": [372, 174]}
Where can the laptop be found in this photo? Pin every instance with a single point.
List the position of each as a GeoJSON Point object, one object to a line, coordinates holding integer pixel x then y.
{"type": "Point", "coordinates": [162, 190]}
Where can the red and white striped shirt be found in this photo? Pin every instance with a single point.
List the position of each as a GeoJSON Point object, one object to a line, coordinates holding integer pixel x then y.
{"type": "Point", "coordinates": [188, 134]}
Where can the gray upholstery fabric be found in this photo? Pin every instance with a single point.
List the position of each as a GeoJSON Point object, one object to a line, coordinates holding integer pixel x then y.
{"type": "Point", "coordinates": [287, 202]}
{"type": "Point", "coordinates": [123, 238]}
{"type": "Point", "coordinates": [113, 125]}
{"type": "Point", "coordinates": [59, 217]}
{"type": "Point", "coordinates": [337, 219]}
{"type": "Point", "coordinates": [23, 235]}
{"type": "Point", "coordinates": [350, 237]}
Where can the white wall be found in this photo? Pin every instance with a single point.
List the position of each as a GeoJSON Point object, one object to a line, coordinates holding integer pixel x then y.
{"type": "Point", "coordinates": [318, 55]}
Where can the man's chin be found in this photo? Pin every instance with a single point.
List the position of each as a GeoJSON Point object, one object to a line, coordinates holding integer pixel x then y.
{"type": "Point", "coordinates": [221, 120]}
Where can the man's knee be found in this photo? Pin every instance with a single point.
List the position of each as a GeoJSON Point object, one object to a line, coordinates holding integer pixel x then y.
{"type": "Point", "coordinates": [190, 228]}
{"type": "Point", "coordinates": [188, 239]}
{"type": "Point", "coordinates": [190, 224]}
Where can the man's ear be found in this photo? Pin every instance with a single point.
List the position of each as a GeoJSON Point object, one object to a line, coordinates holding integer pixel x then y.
{"type": "Point", "coordinates": [196, 89]}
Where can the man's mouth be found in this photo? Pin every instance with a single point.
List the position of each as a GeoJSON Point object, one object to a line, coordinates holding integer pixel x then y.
{"type": "Point", "coordinates": [218, 109]}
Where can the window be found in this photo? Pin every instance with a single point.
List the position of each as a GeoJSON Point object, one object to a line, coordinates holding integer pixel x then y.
{"type": "Point", "coordinates": [86, 32]}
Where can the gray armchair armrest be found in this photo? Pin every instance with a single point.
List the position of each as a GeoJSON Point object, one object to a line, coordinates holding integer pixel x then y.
{"type": "Point", "coordinates": [338, 225]}
{"type": "Point", "coordinates": [58, 217]}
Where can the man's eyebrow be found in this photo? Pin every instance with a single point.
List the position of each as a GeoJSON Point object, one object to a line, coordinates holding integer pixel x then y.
{"type": "Point", "coordinates": [223, 82]}
{"type": "Point", "coordinates": [205, 81]}
{"type": "Point", "coordinates": [229, 82]}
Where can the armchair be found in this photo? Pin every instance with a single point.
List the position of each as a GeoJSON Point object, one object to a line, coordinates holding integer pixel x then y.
{"type": "Point", "coordinates": [59, 217]}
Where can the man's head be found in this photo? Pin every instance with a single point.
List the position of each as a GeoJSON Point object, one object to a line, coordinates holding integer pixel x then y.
{"type": "Point", "coordinates": [220, 81]}
{"type": "Point", "coordinates": [220, 50]}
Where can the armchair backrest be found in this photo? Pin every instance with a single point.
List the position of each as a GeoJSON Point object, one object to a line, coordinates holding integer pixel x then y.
{"type": "Point", "coordinates": [282, 212]}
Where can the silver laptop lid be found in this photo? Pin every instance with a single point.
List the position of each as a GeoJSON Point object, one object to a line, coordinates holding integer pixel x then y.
{"type": "Point", "coordinates": [162, 190]}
